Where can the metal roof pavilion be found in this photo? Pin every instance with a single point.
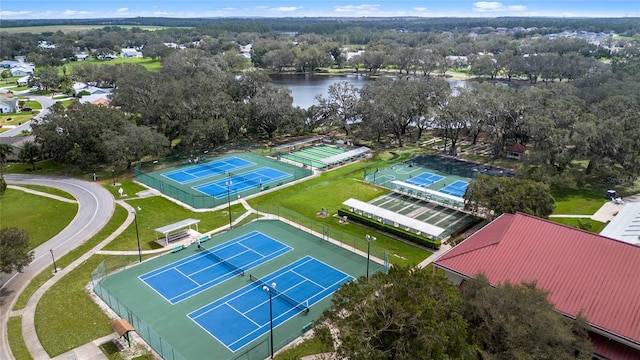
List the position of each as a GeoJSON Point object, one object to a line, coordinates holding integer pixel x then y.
{"type": "Point", "coordinates": [626, 225]}
{"type": "Point", "coordinates": [167, 229]}
{"type": "Point", "coordinates": [418, 226]}
{"type": "Point", "coordinates": [345, 155]}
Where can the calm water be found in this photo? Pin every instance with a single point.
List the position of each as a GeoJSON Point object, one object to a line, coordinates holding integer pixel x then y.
{"type": "Point", "coordinates": [305, 87]}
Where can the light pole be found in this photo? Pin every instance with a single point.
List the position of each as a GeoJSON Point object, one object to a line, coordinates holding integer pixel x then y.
{"type": "Point", "coordinates": [135, 218]}
{"type": "Point", "coordinates": [113, 176]}
{"type": "Point", "coordinates": [268, 290]}
{"type": "Point", "coordinates": [55, 268]}
{"type": "Point", "coordinates": [229, 183]}
{"type": "Point", "coordinates": [369, 240]}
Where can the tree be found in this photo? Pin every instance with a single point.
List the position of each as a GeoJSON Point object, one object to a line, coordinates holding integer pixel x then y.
{"type": "Point", "coordinates": [5, 151]}
{"type": "Point", "coordinates": [509, 195]}
{"type": "Point", "coordinates": [3, 185]}
{"type": "Point", "coordinates": [14, 250]}
{"type": "Point", "coordinates": [5, 74]}
{"type": "Point", "coordinates": [47, 78]}
{"type": "Point", "coordinates": [519, 322]}
{"type": "Point", "coordinates": [29, 153]}
{"type": "Point", "coordinates": [406, 314]}
{"type": "Point", "coordinates": [340, 108]}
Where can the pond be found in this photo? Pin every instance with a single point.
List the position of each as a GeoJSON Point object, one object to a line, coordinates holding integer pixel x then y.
{"type": "Point", "coordinates": [305, 87]}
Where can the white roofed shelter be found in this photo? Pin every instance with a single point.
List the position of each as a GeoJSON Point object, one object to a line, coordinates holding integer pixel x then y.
{"type": "Point", "coordinates": [395, 219]}
{"type": "Point", "coordinates": [176, 230]}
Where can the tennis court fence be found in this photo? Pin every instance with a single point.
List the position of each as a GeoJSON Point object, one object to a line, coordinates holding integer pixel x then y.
{"type": "Point", "coordinates": [163, 348]}
{"type": "Point", "coordinates": [193, 198]}
{"type": "Point", "coordinates": [324, 232]}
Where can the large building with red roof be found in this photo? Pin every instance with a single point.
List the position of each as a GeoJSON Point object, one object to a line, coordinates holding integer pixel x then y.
{"type": "Point", "coordinates": [583, 272]}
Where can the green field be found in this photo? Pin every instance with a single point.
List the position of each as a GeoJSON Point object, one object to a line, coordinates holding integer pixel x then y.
{"type": "Point", "coordinates": [51, 218]}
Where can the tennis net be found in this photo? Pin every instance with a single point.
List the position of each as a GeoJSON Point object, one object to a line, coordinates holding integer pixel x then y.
{"type": "Point", "coordinates": [298, 305]}
{"type": "Point", "coordinates": [254, 181]}
{"type": "Point", "coordinates": [234, 268]}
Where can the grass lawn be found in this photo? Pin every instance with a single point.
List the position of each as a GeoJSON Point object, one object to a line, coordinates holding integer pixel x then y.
{"type": "Point", "coordinates": [60, 329]}
{"type": "Point", "coordinates": [50, 218]}
{"type": "Point", "coordinates": [156, 212]}
{"type": "Point", "coordinates": [584, 201]}
{"type": "Point", "coordinates": [33, 104]}
{"type": "Point", "coordinates": [329, 190]}
{"type": "Point", "coordinates": [320, 343]}
{"type": "Point", "coordinates": [148, 63]}
{"type": "Point", "coordinates": [14, 119]}
{"type": "Point", "coordinates": [46, 167]}
{"type": "Point", "coordinates": [584, 223]}
{"type": "Point", "coordinates": [49, 190]}
{"type": "Point", "coordinates": [14, 332]}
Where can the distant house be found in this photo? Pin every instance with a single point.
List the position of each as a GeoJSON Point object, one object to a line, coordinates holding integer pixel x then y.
{"type": "Point", "coordinates": [130, 53]}
{"type": "Point", "coordinates": [79, 87]}
{"type": "Point", "coordinates": [16, 143]}
{"type": "Point", "coordinates": [22, 70]}
{"type": "Point", "coordinates": [96, 99]}
{"type": "Point", "coordinates": [23, 81]}
{"type": "Point", "coordinates": [82, 57]}
{"type": "Point", "coordinates": [585, 274]}
{"type": "Point", "coordinates": [8, 105]}
{"type": "Point", "coordinates": [515, 151]}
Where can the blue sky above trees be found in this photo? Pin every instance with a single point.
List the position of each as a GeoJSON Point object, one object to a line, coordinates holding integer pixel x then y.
{"type": "Point", "coordinates": [82, 9]}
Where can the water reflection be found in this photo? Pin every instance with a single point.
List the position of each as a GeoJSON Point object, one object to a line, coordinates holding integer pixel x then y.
{"type": "Point", "coordinates": [305, 87]}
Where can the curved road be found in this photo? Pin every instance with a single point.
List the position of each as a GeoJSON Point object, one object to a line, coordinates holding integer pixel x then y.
{"type": "Point", "coordinates": [95, 207]}
{"type": "Point", "coordinates": [46, 102]}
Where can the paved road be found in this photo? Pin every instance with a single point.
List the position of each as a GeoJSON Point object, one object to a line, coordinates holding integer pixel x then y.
{"type": "Point", "coordinates": [96, 206]}
{"type": "Point", "coordinates": [46, 102]}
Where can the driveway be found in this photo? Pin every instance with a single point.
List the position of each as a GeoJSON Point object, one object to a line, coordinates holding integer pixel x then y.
{"type": "Point", "coordinates": [95, 207]}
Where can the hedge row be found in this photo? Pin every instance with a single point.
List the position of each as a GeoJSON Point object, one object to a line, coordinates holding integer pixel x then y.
{"type": "Point", "coordinates": [404, 234]}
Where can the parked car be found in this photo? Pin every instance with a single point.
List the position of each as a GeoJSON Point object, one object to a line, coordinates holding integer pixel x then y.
{"type": "Point", "coordinates": [26, 109]}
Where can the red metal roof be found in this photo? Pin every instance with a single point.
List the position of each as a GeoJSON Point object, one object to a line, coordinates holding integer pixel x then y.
{"type": "Point", "coordinates": [581, 270]}
{"type": "Point", "coordinates": [610, 349]}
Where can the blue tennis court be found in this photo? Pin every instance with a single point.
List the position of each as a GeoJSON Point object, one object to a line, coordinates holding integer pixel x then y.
{"type": "Point", "coordinates": [242, 316]}
{"type": "Point", "coordinates": [458, 188]}
{"type": "Point", "coordinates": [187, 277]}
{"type": "Point", "coordinates": [242, 182]}
{"type": "Point", "coordinates": [208, 169]}
{"type": "Point", "coordinates": [424, 179]}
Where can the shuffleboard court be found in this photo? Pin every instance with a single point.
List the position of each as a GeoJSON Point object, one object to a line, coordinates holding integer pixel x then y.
{"type": "Point", "coordinates": [458, 188]}
{"type": "Point", "coordinates": [185, 278]}
{"type": "Point", "coordinates": [424, 179]}
{"type": "Point", "coordinates": [242, 316]}
{"type": "Point", "coordinates": [240, 182]}
{"type": "Point", "coordinates": [208, 169]}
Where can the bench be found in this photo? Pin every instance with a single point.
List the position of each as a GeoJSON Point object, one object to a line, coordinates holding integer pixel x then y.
{"type": "Point", "coordinates": [177, 236]}
{"type": "Point", "coordinates": [177, 248]}
{"type": "Point", "coordinates": [307, 327]}
{"type": "Point", "coordinates": [204, 239]}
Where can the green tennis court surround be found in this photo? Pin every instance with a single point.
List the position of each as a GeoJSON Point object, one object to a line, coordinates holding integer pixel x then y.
{"type": "Point", "coordinates": [167, 327]}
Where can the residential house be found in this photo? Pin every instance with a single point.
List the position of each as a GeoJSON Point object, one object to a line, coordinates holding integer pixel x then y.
{"type": "Point", "coordinates": [82, 57]}
{"type": "Point", "coordinates": [584, 273]}
{"type": "Point", "coordinates": [515, 151]}
{"type": "Point", "coordinates": [130, 53]}
{"type": "Point", "coordinates": [8, 105]}
{"type": "Point", "coordinates": [22, 70]}
{"type": "Point", "coordinates": [16, 143]}
{"type": "Point", "coordinates": [23, 81]}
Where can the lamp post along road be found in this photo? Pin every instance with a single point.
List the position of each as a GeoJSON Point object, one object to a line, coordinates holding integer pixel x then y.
{"type": "Point", "coordinates": [135, 218]}
{"type": "Point", "coordinates": [229, 183]}
{"type": "Point", "coordinates": [55, 268]}
{"type": "Point", "coordinates": [369, 240]}
{"type": "Point", "coordinates": [268, 290]}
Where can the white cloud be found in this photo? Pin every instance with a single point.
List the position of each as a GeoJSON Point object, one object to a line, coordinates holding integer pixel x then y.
{"type": "Point", "coordinates": [485, 6]}
{"type": "Point", "coordinates": [287, 8]}
{"type": "Point", "coordinates": [76, 12]}
{"type": "Point", "coordinates": [420, 9]}
{"type": "Point", "coordinates": [9, 13]}
{"type": "Point", "coordinates": [493, 6]}
{"type": "Point", "coordinates": [122, 10]}
{"type": "Point", "coordinates": [364, 8]}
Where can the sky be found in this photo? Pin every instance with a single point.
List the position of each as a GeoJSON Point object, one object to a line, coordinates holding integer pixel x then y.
{"type": "Point", "coordinates": [87, 9]}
